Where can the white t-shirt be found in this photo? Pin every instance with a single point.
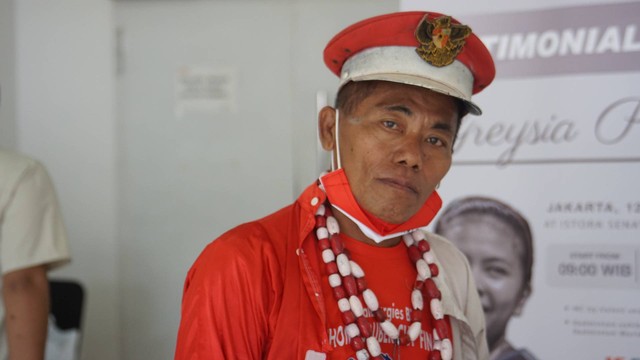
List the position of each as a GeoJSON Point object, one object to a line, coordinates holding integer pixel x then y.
{"type": "Point", "coordinates": [31, 229]}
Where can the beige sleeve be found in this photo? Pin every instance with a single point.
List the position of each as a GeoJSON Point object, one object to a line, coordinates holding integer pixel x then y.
{"type": "Point", "coordinates": [32, 231]}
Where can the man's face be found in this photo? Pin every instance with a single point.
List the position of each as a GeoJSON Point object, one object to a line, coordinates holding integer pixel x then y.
{"type": "Point", "coordinates": [494, 251]}
{"type": "Point", "coordinates": [395, 147]}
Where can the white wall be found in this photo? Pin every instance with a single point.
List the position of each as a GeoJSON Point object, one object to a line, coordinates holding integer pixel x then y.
{"type": "Point", "coordinates": [7, 79]}
{"type": "Point", "coordinates": [65, 117]}
{"type": "Point", "coordinates": [185, 180]}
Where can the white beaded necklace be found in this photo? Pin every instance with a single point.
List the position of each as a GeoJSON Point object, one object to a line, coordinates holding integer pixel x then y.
{"type": "Point", "coordinates": [346, 278]}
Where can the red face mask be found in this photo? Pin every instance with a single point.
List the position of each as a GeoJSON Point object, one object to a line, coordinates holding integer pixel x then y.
{"type": "Point", "coordinates": [337, 188]}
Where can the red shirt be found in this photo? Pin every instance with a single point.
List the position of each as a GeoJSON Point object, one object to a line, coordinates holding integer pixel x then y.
{"type": "Point", "coordinates": [390, 275]}
{"type": "Point", "coordinates": [257, 292]}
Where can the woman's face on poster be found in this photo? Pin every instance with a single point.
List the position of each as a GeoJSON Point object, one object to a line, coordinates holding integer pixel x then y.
{"type": "Point", "coordinates": [495, 252]}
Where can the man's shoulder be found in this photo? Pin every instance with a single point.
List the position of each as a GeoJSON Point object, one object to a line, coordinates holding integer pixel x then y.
{"type": "Point", "coordinates": [247, 249]}
{"type": "Point", "coordinates": [254, 237]}
{"type": "Point", "coordinates": [274, 237]}
{"type": "Point", "coordinates": [454, 266]}
{"type": "Point", "coordinates": [444, 248]}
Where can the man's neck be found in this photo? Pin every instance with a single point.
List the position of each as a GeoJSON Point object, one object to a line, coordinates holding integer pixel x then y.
{"type": "Point", "coordinates": [352, 230]}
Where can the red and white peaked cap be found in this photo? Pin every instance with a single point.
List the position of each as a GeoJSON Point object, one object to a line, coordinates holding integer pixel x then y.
{"type": "Point", "coordinates": [425, 49]}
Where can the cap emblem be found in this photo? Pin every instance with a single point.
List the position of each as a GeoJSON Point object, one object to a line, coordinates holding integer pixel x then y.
{"type": "Point", "coordinates": [440, 41]}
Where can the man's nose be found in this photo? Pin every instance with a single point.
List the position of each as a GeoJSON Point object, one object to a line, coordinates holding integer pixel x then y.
{"type": "Point", "coordinates": [409, 153]}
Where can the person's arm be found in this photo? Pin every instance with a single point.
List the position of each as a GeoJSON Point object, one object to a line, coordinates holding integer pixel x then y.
{"type": "Point", "coordinates": [25, 293]}
{"type": "Point", "coordinates": [33, 240]}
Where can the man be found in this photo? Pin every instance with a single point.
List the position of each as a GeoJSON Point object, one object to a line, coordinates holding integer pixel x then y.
{"type": "Point", "coordinates": [32, 241]}
{"type": "Point", "coordinates": [497, 241]}
{"type": "Point", "coordinates": [345, 272]}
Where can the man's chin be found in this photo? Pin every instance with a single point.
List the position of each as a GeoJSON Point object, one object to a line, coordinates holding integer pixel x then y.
{"type": "Point", "coordinates": [395, 217]}
{"type": "Point", "coordinates": [393, 209]}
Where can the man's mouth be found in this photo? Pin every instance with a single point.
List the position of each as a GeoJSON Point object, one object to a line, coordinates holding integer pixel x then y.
{"type": "Point", "coordinates": [400, 184]}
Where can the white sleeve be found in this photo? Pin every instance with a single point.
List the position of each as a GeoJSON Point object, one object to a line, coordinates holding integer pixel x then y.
{"type": "Point", "coordinates": [31, 228]}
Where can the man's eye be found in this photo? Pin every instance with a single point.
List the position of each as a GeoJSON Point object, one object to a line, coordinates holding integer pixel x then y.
{"type": "Point", "coordinates": [435, 141]}
{"type": "Point", "coordinates": [390, 124]}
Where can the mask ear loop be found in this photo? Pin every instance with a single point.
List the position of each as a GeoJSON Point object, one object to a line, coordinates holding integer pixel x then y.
{"type": "Point", "coordinates": [337, 150]}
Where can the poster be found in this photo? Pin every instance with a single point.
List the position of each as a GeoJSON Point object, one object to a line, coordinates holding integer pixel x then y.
{"type": "Point", "coordinates": [559, 141]}
{"type": "Point", "coordinates": [205, 91]}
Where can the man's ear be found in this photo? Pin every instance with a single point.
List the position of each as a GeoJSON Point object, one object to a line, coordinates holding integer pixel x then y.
{"type": "Point", "coordinates": [327, 127]}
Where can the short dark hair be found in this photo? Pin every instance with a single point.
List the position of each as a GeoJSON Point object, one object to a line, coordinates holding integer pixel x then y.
{"type": "Point", "coordinates": [354, 92]}
{"type": "Point", "coordinates": [481, 205]}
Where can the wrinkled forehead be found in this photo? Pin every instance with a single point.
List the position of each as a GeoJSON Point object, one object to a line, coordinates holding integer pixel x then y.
{"type": "Point", "coordinates": [388, 93]}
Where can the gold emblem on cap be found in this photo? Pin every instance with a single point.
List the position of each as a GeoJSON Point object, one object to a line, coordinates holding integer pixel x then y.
{"type": "Point", "coordinates": [440, 41]}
